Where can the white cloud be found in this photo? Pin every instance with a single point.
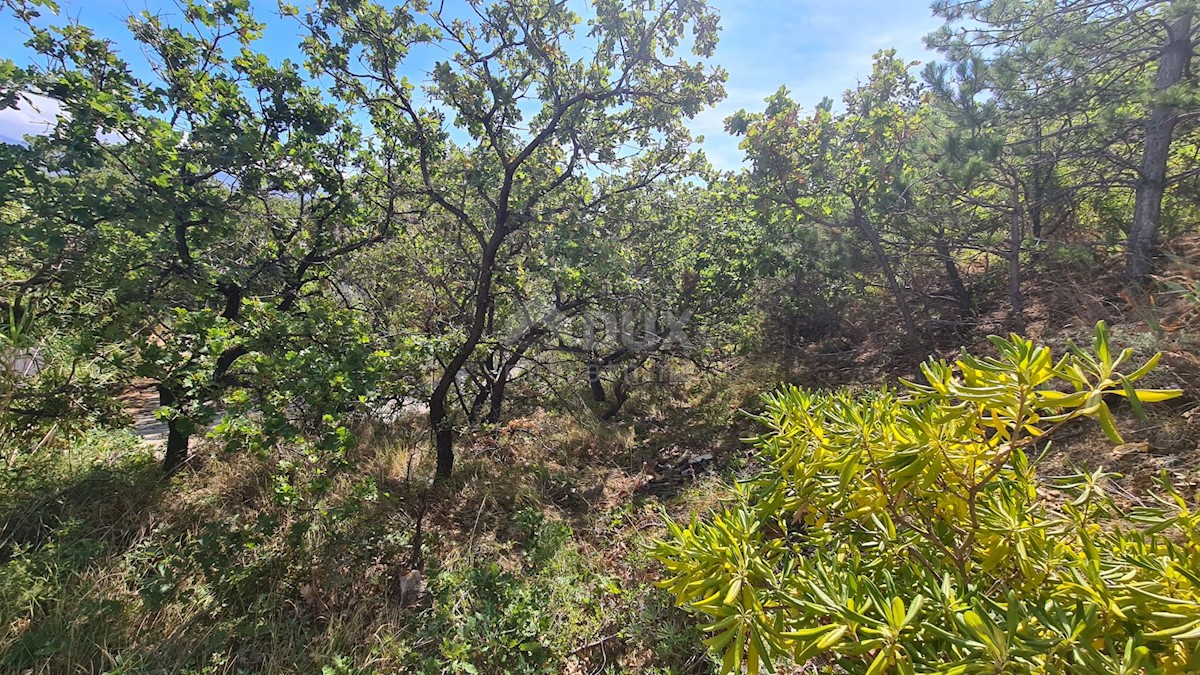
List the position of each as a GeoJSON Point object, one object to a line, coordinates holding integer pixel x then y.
{"type": "Point", "coordinates": [33, 115]}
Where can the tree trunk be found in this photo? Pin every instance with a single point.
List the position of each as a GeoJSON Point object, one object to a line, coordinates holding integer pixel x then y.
{"type": "Point", "coordinates": [1040, 179]}
{"type": "Point", "coordinates": [864, 226]}
{"type": "Point", "coordinates": [499, 384]}
{"type": "Point", "coordinates": [620, 396]}
{"type": "Point", "coordinates": [1014, 260]}
{"type": "Point", "coordinates": [481, 397]}
{"type": "Point", "coordinates": [496, 404]}
{"type": "Point", "coordinates": [177, 447]}
{"type": "Point", "coordinates": [596, 384]}
{"type": "Point", "coordinates": [621, 386]}
{"type": "Point", "coordinates": [443, 435]}
{"type": "Point", "coordinates": [439, 419]}
{"type": "Point", "coordinates": [178, 437]}
{"type": "Point", "coordinates": [1159, 127]}
{"type": "Point", "coordinates": [961, 293]}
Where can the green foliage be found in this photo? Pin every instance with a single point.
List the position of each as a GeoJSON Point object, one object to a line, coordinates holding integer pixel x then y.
{"type": "Point", "coordinates": [843, 173]}
{"type": "Point", "coordinates": [908, 531]}
{"type": "Point", "coordinates": [488, 619]}
{"type": "Point", "coordinates": [183, 226]}
{"type": "Point", "coordinates": [60, 512]}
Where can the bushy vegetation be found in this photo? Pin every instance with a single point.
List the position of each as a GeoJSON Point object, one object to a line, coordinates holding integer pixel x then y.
{"type": "Point", "coordinates": [368, 337]}
{"type": "Point", "coordinates": [292, 241]}
{"type": "Point", "coordinates": [908, 531]}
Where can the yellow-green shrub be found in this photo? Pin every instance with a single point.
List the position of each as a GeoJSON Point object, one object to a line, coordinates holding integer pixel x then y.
{"type": "Point", "coordinates": [908, 531]}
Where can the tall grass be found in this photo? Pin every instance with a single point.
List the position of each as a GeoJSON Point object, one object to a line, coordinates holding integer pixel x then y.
{"type": "Point", "coordinates": [240, 564]}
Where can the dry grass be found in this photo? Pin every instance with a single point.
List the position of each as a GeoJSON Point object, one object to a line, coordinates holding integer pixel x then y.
{"type": "Point", "coordinates": [213, 572]}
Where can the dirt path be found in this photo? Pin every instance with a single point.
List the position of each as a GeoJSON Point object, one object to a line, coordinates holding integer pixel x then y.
{"type": "Point", "coordinates": [141, 403]}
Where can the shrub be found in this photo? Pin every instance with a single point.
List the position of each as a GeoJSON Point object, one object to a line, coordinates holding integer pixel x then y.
{"type": "Point", "coordinates": [908, 531]}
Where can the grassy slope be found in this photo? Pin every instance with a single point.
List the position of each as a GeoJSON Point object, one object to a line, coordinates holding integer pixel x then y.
{"type": "Point", "coordinates": [533, 556]}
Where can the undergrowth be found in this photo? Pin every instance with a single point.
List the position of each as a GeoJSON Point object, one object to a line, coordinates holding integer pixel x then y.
{"type": "Point", "coordinates": [243, 565]}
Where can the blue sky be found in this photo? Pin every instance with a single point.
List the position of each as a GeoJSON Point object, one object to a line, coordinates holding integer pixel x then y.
{"type": "Point", "coordinates": [816, 48]}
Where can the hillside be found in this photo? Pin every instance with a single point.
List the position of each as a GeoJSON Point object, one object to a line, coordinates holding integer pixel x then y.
{"type": "Point", "coordinates": [526, 336]}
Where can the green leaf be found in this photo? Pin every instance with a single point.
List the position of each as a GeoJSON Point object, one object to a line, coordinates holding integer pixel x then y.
{"type": "Point", "coordinates": [1131, 395]}
{"type": "Point", "coordinates": [1108, 424]}
{"type": "Point", "coordinates": [879, 664]}
{"type": "Point", "coordinates": [1100, 344]}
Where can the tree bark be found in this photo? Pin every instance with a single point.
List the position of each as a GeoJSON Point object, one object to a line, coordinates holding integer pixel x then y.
{"type": "Point", "coordinates": [178, 437]}
{"type": "Point", "coordinates": [864, 226]}
{"type": "Point", "coordinates": [443, 435]}
{"type": "Point", "coordinates": [961, 293]}
{"type": "Point", "coordinates": [481, 397]}
{"type": "Point", "coordinates": [1014, 259]}
{"type": "Point", "coordinates": [177, 447]}
{"type": "Point", "coordinates": [595, 383]}
{"type": "Point", "coordinates": [439, 419]}
{"type": "Point", "coordinates": [499, 383]}
{"type": "Point", "coordinates": [496, 402]}
{"type": "Point", "coordinates": [1159, 127]}
{"type": "Point", "coordinates": [620, 396]}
